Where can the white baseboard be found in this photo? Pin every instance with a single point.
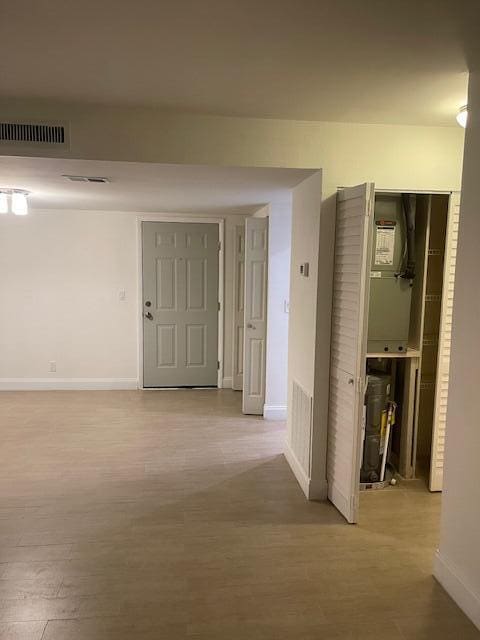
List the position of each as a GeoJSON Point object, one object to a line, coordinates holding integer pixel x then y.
{"type": "Point", "coordinates": [275, 411]}
{"type": "Point", "coordinates": [67, 384]}
{"type": "Point", "coordinates": [227, 383]}
{"type": "Point", "coordinates": [464, 596]}
{"type": "Point", "coordinates": [296, 467]}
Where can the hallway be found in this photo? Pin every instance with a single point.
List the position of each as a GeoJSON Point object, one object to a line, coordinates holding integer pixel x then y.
{"type": "Point", "coordinates": [167, 515]}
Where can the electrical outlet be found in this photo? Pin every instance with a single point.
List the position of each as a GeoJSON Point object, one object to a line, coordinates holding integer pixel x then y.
{"type": "Point", "coordinates": [52, 366]}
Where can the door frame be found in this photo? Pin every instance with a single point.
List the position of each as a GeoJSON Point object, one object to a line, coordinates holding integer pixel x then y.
{"type": "Point", "coordinates": [236, 290]}
{"type": "Point", "coordinates": [171, 217]}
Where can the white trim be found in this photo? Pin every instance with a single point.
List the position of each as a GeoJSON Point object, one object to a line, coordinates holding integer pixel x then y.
{"type": "Point", "coordinates": [456, 588]}
{"type": "Point", "coordinates": [227, 383]}
{"type": "Point", "coordinates": [380, 191]}
{"type": "Point", "coordinates": [65, 384]}
{"type": "Point", "coordinates": [296, 467]}
{"type": "Point", "coordinates": [235, 376]}
{"type": "Point", "coordinates": [275, 411]}
{"type": "Point", "coordinates": [169, 217]}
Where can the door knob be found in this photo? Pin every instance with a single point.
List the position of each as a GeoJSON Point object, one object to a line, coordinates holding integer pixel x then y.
{"type": "Point", "coordinates": [250, 325]}
{"type": "Point", "coordinates": [148, 315]}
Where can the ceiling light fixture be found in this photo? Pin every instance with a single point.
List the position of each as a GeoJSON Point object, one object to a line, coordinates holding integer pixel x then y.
{"type": "Point", "coordinates": [19, 203]}
{"type": "Point", "coordinates": [3, 202]}
{"type": "Point", "coordinates": [462, 116]}
{"type": "Point", "coordinates": [14, 201]}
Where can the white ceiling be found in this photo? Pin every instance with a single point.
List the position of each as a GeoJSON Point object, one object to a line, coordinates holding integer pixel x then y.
{"type": "Point", "coordinates": [344, 60]}
{"type": "Point", "coordinates": [148, 187]}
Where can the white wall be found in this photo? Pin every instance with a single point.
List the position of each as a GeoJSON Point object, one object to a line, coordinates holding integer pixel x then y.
{"type": "Point", "coordinates": [302, 365]}
{"type": "Point", "coordinates": [61, 274]}
{"type": "Point", "coordinates": [458, 559]}
{"type": "Point", "coordinates": [279, 249]}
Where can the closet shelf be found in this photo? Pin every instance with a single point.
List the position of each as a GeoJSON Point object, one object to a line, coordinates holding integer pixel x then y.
{"type": "Point", "coordinates": [410, 353]}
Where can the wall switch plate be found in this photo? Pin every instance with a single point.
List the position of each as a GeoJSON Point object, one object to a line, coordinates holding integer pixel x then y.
{"type": "Point", "coordinates": [52, 366]}
{"type": "Point", "coordinates": [122, 295]}
{"type": "Point", "coordinates": [304, 269]}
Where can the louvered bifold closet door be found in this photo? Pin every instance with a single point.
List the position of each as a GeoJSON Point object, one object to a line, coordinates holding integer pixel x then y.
{"type": "Point", "coordinates": [444, 345]}
{"type": "Point", "coordinates": [348, 347]}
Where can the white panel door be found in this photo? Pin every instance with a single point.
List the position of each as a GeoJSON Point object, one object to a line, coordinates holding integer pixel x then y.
{"type": "Point", "coordinates": [180, 304]}
{"type": "Point", "coordinates": [444, 343]}
{"type": "Point", "coordinates": [238, 305]}
{"type": "Point", "coordinates": [348, 347]}
{"type": "Point", "coordinates": [255, 322]}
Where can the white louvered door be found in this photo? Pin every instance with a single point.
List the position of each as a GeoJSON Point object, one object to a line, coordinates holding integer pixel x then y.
{"type": "Point", "coordinates": [348, 352]}
{"type": "Point", "coordinates": [444, 343]}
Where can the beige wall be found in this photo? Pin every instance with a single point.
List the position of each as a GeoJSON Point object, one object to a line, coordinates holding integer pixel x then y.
{"type": "Point", "coordinates": [458, 561]}
{"type": "Point", "coordinates": [306, 203]}
{"type": "Point", "coordinates": [303, 366]}
{"type": "Point", "coordinates": [410, 157]}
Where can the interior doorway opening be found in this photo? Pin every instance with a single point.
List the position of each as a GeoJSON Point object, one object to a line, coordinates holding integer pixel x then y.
{"type": "Point", "coordinates": [85, 331]}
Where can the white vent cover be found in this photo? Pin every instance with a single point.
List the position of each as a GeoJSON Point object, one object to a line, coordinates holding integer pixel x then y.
{"type": "Point", "coordinates": [301, 427]}
{"type": "Point", "coordinates": [33, 133]}
{"type": "Point", "coordinates": [94, 179]}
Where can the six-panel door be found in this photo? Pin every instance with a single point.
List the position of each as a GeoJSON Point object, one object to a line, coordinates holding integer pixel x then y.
{"type": "Point", "coordinates": [180, 304]}
{"type": "Point", "coordinates": [255, 320]}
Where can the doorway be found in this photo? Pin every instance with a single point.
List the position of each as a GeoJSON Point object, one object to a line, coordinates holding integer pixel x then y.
{"type": "Point", "coordinates": [180, 303]}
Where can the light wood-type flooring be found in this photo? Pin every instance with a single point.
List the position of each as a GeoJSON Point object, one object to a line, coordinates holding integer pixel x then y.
{"type": "Point", "coordinates": [168, 515]}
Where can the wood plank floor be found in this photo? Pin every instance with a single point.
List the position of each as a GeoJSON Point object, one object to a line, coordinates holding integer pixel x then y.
{"type": "Point", "coordinates": [152, 515]}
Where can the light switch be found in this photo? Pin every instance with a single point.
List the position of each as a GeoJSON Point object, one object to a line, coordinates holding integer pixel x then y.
{"type": "Point", "coordinates": [304, 269]}
{"type": "Point", "coordinates": [122, 295]}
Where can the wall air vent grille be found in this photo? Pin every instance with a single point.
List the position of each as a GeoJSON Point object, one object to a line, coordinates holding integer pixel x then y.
{"type": "Point", "coordinates": [94, 179]}
{"type": "Point", "coordinates": [301, 428]}
{"type": "Point", "coordinates": [33, 133]}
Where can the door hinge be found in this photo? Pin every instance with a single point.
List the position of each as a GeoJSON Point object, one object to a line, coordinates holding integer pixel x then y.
{"type": "Point", "coordinates": [219, 246]}
{"type": "Point", "coordinates": [218, 365]}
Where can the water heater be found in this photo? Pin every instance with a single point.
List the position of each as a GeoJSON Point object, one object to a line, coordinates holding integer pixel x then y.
{"type": "Point", "coordinates": [392, 267]}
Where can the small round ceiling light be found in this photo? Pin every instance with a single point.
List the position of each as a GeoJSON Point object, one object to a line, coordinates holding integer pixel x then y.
{"type": "Point", "coordinates": [462, 116]}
